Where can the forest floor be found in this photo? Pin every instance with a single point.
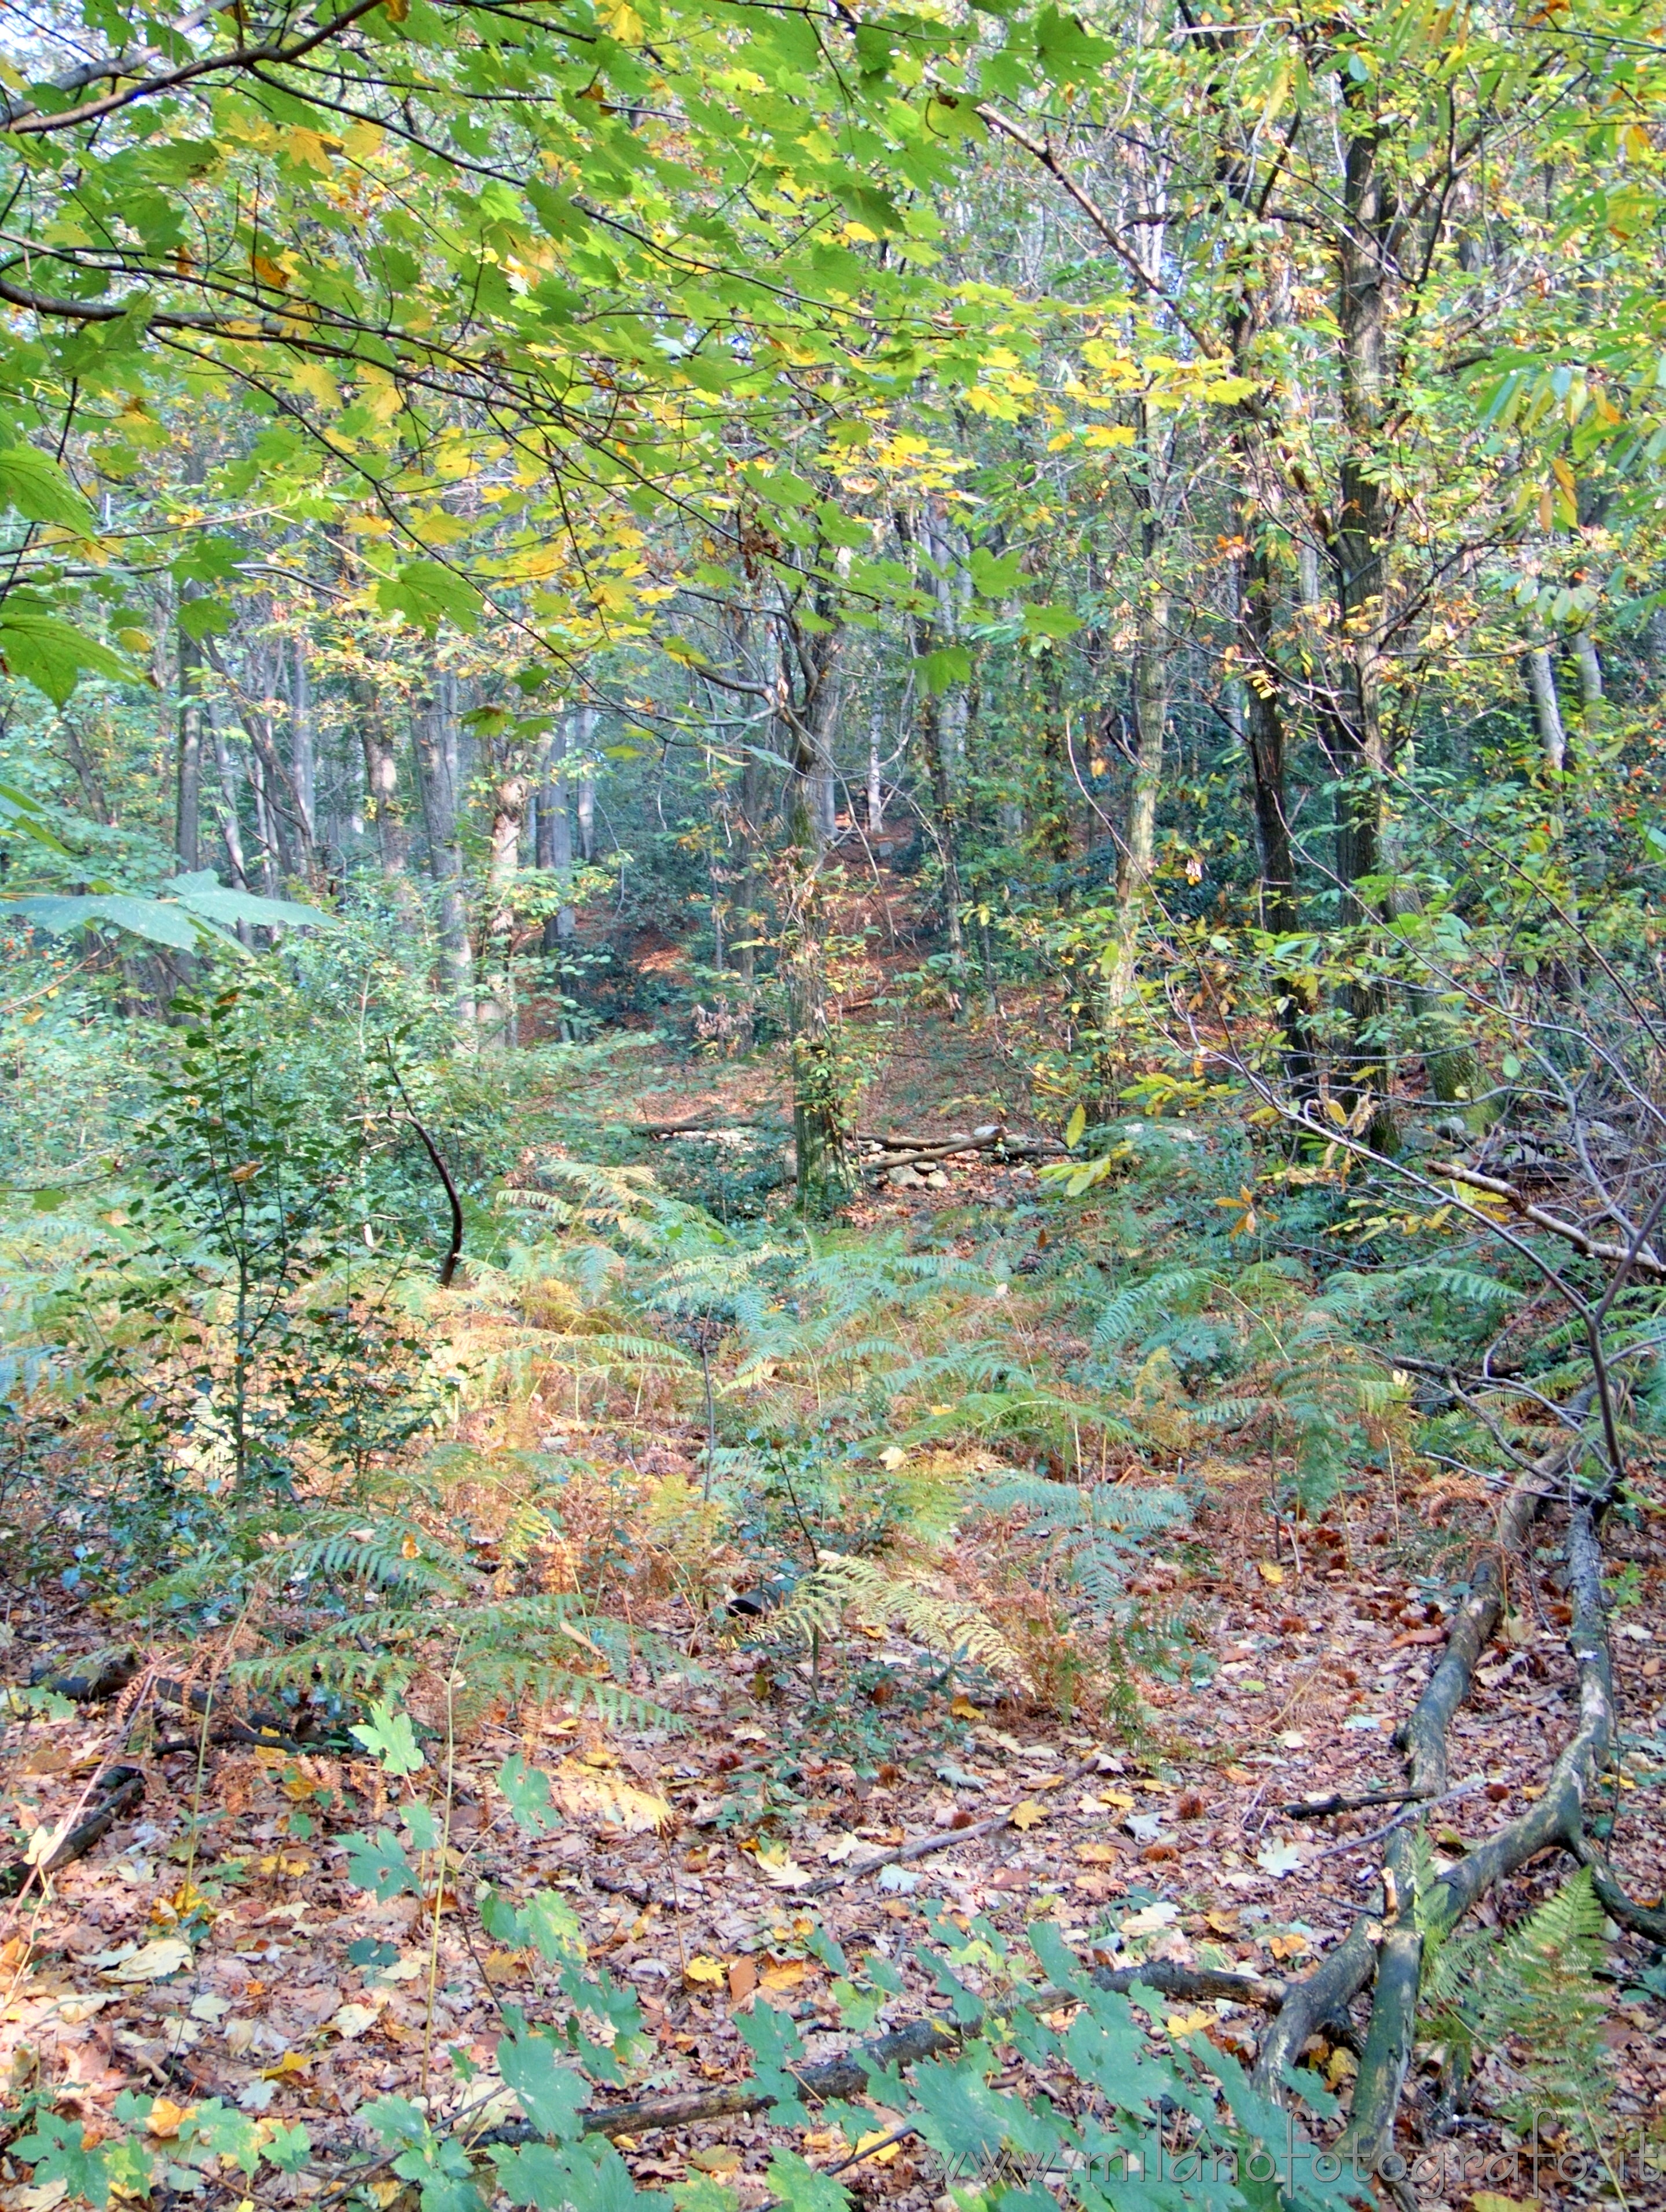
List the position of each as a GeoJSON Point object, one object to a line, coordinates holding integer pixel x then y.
{"type": "Point", "coordinates": [1174, 1838]}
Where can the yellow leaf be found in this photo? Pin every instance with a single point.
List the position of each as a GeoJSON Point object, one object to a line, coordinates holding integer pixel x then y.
{"type": "Point", "coordinates": [1097, 1854]}
{"type": "Point", "coordinates": [1120, 1801]}
{"type": "Point", "coordinates": [411, 1549]}
{"type": "Point", "coordinates": [307, 148]}
{"type": "Point", "coordinates": [1027, 1813]}
{"type": "Point", "coordinates": [292, 2062]}
{"type": "Point", "coordinates": [1189, 2023]}
{"type": "Point", "coordinates": [962, 1709]}
{"type": "Point", "coordinates": [1269, 1573]}
{"type": "Point", "coordinates": [1484, 2200]}
{"type": "Point", "coordinates": [1107, 433]}
{"type": "Point", "coordinates": [785, 1976]}
{"type": "Point", "coordinates": [580, 1794]}
{"type": "Point", "coordinates": [865, 2145]}
{"type": "Point", "coordinates": [382, 2193]}
{"type": "Point", "coordinates": [1060, 440]}
{"type": "Point", "coordinates": [1074, 1127]}
{"type": "Point", "coordinates": [165, 2118]}
{"type": "Point", "coordinates": [893, 1457]}
{"type": "Point", "coordinates": [700, 1968]}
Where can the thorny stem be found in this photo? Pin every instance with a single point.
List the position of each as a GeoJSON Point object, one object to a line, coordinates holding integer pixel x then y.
{"type": "Point", "coordinates": [445, 1853]}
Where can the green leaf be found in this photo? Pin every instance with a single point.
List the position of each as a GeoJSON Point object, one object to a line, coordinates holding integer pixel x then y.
{"type": "Point", "coordinates": [390, 1739]}
{"type": "Point", "coordinates": [204, 894]}
{"type": "Point", "coordinates": [34, 484]}
{"type": "Point", "coordinates": [534, 2174]}
{"type": "Point", "coordinates": [289, 2148]}
{"type": "Point", "coordinates": [381, 1865]}
{"type": "Point", "coordinates": [1050, 622]}
{"type": "Point", "coordinates": [550, 2095]}
{"type": "Point", "coordinates": [527, 1789]}
{"type": "Point", "coordinates": [40, 647]}
{"type": "Point", "coordinates": [996, 578]}
{"type": "Point", "coordinates": [801, 2189]}
{"type": "Point", "coordinates": [429, 594]}
{"type": "Point", "coordinates": [222, 2129]}
{"type": "Point", "coordinates": [774, 2042]}
{"type": "Point", "coordinates": [201, 618]}
{"type": "Point", "coordinates": [157, 921]}
{"type": "Point", "coordinates": [949, 665]}
{"type": "Point", "coordinates": [422, 1828]}
{"type": "Point", "coordinates": [58, 2150]}
{"type": "Point", "coordinates": [18, 810]}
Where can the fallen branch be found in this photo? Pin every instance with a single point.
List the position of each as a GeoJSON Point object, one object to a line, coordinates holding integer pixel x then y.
{"type": "Point", "coordinates": [125, 1786]}
{"type": "Point", "coordinates": [924, 1846]}
{"type": "Point", "coordinates": [1387, 1952]}
{"type": "Point", "coordinates": [1647, 1920]}
{"type": "Point", "coordinates": [849, 2074]}
{"type": "Point", "coordinates": [1643, 1261]}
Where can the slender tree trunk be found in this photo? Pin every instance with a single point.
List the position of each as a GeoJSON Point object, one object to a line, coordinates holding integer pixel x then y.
{"type": "Point", "coordinates": [585, 739]}
{"type": "Point", "coordinates": [876, 789]}
{"type": "Point", "coordinates": [303, 753]}
{"type": "Point", "coordinates": [381, 775]}
{"type": "Point", "coordinates": [509, 812]}
{"type": "Point", "coordinates": [188, 763]}
{"type": "Point", "coordinates": [946, 733]}
{"type": "Point", "coordinates": [1547, 708]}
{"type": "Point", "coordinates": [820, 1136]}
{"type": "Point", "coordinates": [432, 726]}
{"type": "Point", "coordinates": [554, 840]}
{"type": "Point", "coordinates": [1590, 673]}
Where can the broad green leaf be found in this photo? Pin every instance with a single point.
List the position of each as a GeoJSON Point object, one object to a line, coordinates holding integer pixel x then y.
{"type": "Point", "coordinates": [527, 1789]}
{"type": "Point", "coordinates": [391, 1741]}
{"type": "Point", "coordinates": [802, 2189]}
{"type": "Point", "coordinates": [380, 1865]}
{"type": "Point", "coordinates": [36, 486]}
{"type": "Point", "coordinates": [42, 649]}
{"type": "Point", "coordinates": [550, 2095]}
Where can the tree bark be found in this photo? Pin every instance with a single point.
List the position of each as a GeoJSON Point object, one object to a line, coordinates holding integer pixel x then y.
{"type": "Point", "coordinates": [554, 837]}
{"type": "Point", "coordinates": [1547, 708]}
{"type": "Point", "coordinates": [381, 773]}
{"type": "Point", "coordinates": [433, 731]}
{"type": "Point", "coordinates": [188, 762]}
{"type": "Point", "coordinates": [508, 810]}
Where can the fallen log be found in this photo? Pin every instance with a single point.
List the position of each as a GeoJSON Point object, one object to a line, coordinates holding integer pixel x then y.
{"type": "Point", "coordinates": [124, 1786]}
{"type": "Point", "coordinates": [848, 2075]}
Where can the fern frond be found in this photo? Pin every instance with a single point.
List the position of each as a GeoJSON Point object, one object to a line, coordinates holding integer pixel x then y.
{"type": "Point", "coordinates": [840, 1586]}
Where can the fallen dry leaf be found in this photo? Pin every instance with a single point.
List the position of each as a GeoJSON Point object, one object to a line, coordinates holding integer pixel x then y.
{"type": "Point", "coordinates": [742, 1979]}
{"type": "Point", "coordinates": [1097, 1854]}
{"type": "Point", "coordinates": [353, 2019]}
{"type": "Point", "coordinates": [1027, 1813]}
{"type": "Point", "coordinates": [165, 2118]}
{"type": "Point", "coordinates": [700, 1968]}
{"type": "Point", "coordinates": [1187, 2023]}
{"type": "Point", "coordinates": [1269, 1572]}
{"type": "Point", "coordinates": [154, 1962]}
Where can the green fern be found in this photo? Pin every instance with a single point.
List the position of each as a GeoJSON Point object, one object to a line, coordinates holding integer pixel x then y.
{"type": "Point", "coordinates": [840, 1586]}
{"type": "Point", "coordinates": [1529, 1996]}
{"type": "Point", "coordinates": [1093, 1533]}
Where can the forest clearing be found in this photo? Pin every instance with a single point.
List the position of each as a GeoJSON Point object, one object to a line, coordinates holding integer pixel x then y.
{"type": "Point", "coordinates": [834, 1140]}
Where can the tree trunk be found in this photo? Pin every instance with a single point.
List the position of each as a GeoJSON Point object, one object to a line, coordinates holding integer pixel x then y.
{"type": "Point", "coordinates": [820, 1134]}
{"type": "Point", "coordinates": [585, 738]}
{"type": "Point", "coordinates": [946, 733]}
{"type": "Point", "coordinates": [508, 810]}
{"type": "Point", "coordinates": [188, 763]}
{"type": "Point", "coordinates": [381, 775]}
{"type": "Point", "coordinates": [555, 839]}
{"type": "Point", "coordinates": [1590, 673]}
{"type": "Point", "coordinates": [433, 730]}
{"type": "Point", "coordinates": [303, 752]}
{"type": "Point", "coordinates": [1547, 708]}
